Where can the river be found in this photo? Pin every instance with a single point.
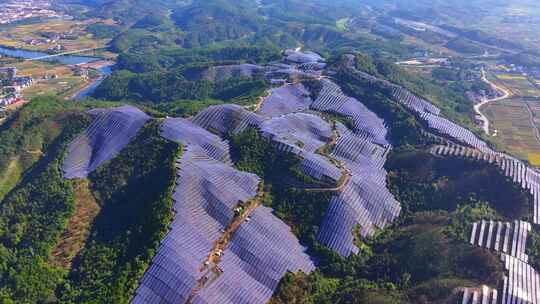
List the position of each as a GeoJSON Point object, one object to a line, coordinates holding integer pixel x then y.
{"type": "Point", "coordinates": [66, 60]}
{"type": "Point", "coordinates": [88, 90]}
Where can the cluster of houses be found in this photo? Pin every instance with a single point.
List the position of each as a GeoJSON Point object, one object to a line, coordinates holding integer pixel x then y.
{"type": "Point", "coordinates": [51, 38]}
{"type": "Point", "coordinates": [11, 86]}
{"type": "Point", "coordinates": [17, 10]}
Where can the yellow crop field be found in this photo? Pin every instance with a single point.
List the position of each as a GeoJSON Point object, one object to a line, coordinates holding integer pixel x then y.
{"type": "Point", "coordinates": [21, 36]}
{"type": "Point", "coordinates": [534, 159]}
{"type": "Point", "coordinates": [511, 77]}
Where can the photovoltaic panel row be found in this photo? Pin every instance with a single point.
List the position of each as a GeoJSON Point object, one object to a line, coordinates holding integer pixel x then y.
{"type": "Point", "coordinates": [286, 99]}
{"type": "Point", "coordinates": [183, 131]}
{"type": "Point", "coordinates": [227, 118]}
{"type": "Point", "coordinates": [208, 189]}
{"type": "Point", "coordinates": [509, 238]}
{"type": "Point", "coordinates": [260, 254]}
{"type": "Point", "coordinates": [446, 128]}
{"type": "Point", "coordinates": [526, 177]}
{"type": "Point", "coordinates": [522, 284]}
{"type": "Point", "coordinates": [302, 57]}
{"type": "Point", "coordinates": [361, 203]}
{"type": "Point", "coordinates": [307, 131]}
{"type": "Point", "coordinates": [484, 295]}
{"type": "Point", "coordinates": [111, 130]}
{"type": "Point", "coordinates": [332, 99]}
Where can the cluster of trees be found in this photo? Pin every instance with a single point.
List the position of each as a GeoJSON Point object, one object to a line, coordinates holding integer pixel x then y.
{"type": "Point", "coordinates": [103, 31]}
{"type": "Point", "coordinates": [32, 218]}
{"type": "Point", "coordinates": [423, 257]}
{"type": "Point", "coordinates": [26, 134]}
{"type": "Point", "coordinates": [450, 99]}
{"type": "Point", "coordinates": [163, 87]}
{"type": "Point", "coordinates": [135, 194]}
{"type": "Point", "coordinates": [423, 182]}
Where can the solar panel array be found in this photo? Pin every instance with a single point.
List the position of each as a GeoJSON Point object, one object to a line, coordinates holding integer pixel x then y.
{"type": "Point", "coordinates": [428, 114]}
{"type": "Point", "coordinates": [260, 254]}
{"type": "Point", "coordinates": [361, 203]}
{"type": "Point", "coordinates": [521, 174]}
{"type": "Point", "coordinates": [312, 67]}
{"type": "Point", "coordinates": [509, 238]}
{"type": "Point", "coordinates": [446, 128]}
{"type": "Point", "coordinates": [111, 130]}
{"type": "Point", "coordinates": [297, 133]}
{"type": "Point", "coordinates": [485, 295]}
{"type": "Point", "coordinates": [414, 102]}
{"type": "Point", "coordinates": [208, 188]}
{"type": "Point", "coordinates": [302, 57]}
{"type": "Point", "coordinates": [365, 200]}
{"type": "Point", "coordinates": [228, 118]}
{"type": "Point", "coordinates": [331, 99]}
{"type": "Point", "coordinates": [522, 284]}
{"type": "Point", "coordinates": [307, 131]}
{"type": "Point", "coordinates": [183, 131]}
{"type": "Point", "coordinates": [286, 99]}
{"type": "Point", "coordinates": [224, 72]}
{"type": "Point", "coordinates": [206, 193]}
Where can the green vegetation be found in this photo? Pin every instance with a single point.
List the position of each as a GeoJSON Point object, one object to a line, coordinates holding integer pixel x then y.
{"type": "Point", "coordinates": [416, 261]}
{"type": "Point", "coordinates": [131, 224]}
{"type": "Point", "coordinates": [423, 257]}
{"type": "Point", "coordinates": [423, 182]}
{"type": "Point", "coordinates": [174, 86]}
{"type": "Point", "coordinates": [465, 46]}
{"type": "Point", "coordinates": [33, 216]}
{"type": "Point", "coordinates": [27, 134]}
{"type": "Point", "coordinates": [103, 31]}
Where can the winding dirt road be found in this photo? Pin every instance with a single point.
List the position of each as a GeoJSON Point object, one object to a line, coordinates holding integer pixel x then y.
{"type": "Point", "coordinates": [477, 107]}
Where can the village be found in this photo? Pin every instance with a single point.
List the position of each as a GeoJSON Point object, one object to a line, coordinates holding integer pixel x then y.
{"type": "Point", "coordinates": [11, 86]}
{"type": "Point", "coordinates": [14, 11]}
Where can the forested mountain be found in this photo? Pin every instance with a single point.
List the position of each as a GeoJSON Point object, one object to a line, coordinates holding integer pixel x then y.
{"type": "Point", "coordinates": [263, 151]}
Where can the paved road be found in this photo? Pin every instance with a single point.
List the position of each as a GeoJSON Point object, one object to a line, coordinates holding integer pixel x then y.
{"type": "Point", "coordinates": [477, 107]}
{"type": "Point", "coordinates": [65, 53]}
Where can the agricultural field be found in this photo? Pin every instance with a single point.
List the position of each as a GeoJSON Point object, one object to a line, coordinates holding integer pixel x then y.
{"type": "Point", "coordinates": [514, 21]}
{"type": "Point", "coordinates": [72, 35]}
{"type": "Point", "coordinates": [64, 84]}
{"type": "Point", "coordinates": [516, 128]}
{"type": "Point", "coordinates": [518, 84]}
